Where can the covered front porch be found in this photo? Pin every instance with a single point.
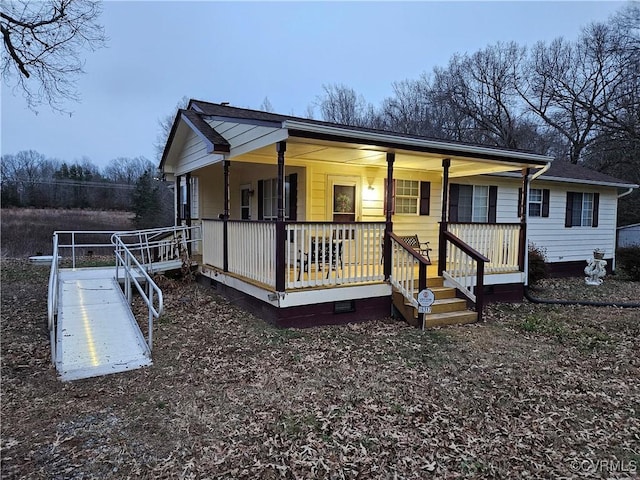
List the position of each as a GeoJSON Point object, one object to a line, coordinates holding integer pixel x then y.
{"type": "Point", "coordinates": [297, 264]}
{"type": "Point", "coordinates": [297, 213]}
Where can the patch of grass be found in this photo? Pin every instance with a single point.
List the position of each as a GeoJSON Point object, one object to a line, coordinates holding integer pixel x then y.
{"type": "Point", "coordinates": [299, 425]}
{"type": "Point", "coordinates": [29, 231]}
{"type": "Point", "coordinates": [538, 324]}
{"type": "Point", "coordinates": [591, 339]}
{"type": "Point", "coordinates": [24, 272]}
{"type": "Point", "coordinates": [286, 334]}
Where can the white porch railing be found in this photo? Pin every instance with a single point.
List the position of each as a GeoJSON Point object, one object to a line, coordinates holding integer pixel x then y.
{"type": "Point", "coordinates": [212, 243]}
{"type": "Point", "coordinates": [322, 254]}
{"type": "Point", "coordinates": [315, 254]}
{"type": "Point", "coordinates": [252, 250]}
{"type": "Point", "coordinates": [496, 241]}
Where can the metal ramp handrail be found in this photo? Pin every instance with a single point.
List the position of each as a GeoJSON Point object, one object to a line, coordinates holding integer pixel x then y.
{"type": "Point", "coordinates": [175, 238]}
{"type": "Point", "coordinates": [52, 298]}
{"type": "Point", "coordinates": [168, 243]}
{"type": "Point", "coordinates": [132, 268]}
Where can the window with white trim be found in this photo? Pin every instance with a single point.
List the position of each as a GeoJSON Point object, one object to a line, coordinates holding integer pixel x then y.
{"type": "Point", "coordinates": [582, 209]}
{"type": "Point", "coordinates": [407, 196]}
{"type": "Point", "coordinates": [270, 199]}
{"type": "Point", "coordinates": [535, 202]}
{"type": "Point", "coordinates": [582, 214]}
{"type": "Point", "coordinates": [473, 203]}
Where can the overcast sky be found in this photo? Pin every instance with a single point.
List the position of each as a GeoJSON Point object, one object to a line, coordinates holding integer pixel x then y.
{"type": "Point", "coordinates": [242, 52]}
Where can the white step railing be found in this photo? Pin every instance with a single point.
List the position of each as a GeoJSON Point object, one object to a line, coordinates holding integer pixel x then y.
{"type": "Point", "coordinates": [405, 270]}
{"type": "Point", "coordinates": [464, 268]}
{"type": "Point", "coordinates": [496, 241]}
{"type": "Point", "coordinates": [157, 245]}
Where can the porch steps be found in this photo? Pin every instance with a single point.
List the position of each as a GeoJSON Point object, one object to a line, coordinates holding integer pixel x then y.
{"type": "Point", "coordinates": [446, 310]}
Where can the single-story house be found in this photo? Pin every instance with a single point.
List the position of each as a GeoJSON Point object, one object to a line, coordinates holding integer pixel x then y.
{"type": "Point", "coordinates": [309, 222]}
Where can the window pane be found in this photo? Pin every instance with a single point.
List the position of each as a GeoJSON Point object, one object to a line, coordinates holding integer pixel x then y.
{"type": "Point", "coordinates": [535, 210]}
{"type": "Point", "coordinates": [465, 201]}
{"type": "Point", "coordinates": [587, 209]}
{"type": "Point", "coordinates": [535, 202]}
{"type": "Point", "coordinates": [480, 203]}
{"type": "Point", "coordinates": [535, 195]}
{"type": "Point", "coordinates": [406, 205]}
{"type": "Point", "coordinates": [576, 214]}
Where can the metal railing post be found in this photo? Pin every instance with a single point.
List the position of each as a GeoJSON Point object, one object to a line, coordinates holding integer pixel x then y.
{"type": "Point", "coordinates": [150, 326]}
{"type": "Point", "coordinates": [73, 249]}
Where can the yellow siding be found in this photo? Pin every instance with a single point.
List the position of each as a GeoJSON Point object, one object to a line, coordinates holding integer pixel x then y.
{"type": "Point", "coordinates": [314, 193]}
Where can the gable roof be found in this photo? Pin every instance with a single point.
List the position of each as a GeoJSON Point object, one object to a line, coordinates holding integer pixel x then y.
{"type": "Point", "coordinates": [215, 142]}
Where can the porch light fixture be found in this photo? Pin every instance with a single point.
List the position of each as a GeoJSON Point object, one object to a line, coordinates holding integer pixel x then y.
{"type": "Point", "coordinates": [369, 193]}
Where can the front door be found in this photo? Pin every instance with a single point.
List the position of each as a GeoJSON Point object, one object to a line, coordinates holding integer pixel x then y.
{"type": "Point", "coordinates": [343, 199]}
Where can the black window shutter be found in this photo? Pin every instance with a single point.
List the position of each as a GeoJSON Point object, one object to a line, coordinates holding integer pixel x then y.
{"type": "Point", "coordinates": [568, 214]}
{"type": "Point", "coordinates": [520, 205]}
{"type": "Point", "coordinates": [596, 206]}
{"type": "Point", "coordinates": [393, 196]}
{"type": "Point", "coordinates": [425, 194]}
{"type": "Point", "coordinates": [260, 199]}
{"type": "Point", "coordinates": [454, 196]}
{"type": "Point", "coordinates": [293, 197]}
{"type": "Point", "coordinates": [493, 203]}
{"type": "Point", "coordinates": [545, 202]}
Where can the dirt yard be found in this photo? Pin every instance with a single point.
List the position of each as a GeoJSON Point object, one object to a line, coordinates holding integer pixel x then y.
{"type": "Point", "coordinates": [534, 392]}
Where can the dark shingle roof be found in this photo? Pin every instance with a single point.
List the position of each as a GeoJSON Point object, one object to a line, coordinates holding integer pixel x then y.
{"type": "Point", "coordinates": [564, 169]}
{"type": "Point", "coordinates": [215, 109]}
{"type": "Point", "coordinates": [219, 143]}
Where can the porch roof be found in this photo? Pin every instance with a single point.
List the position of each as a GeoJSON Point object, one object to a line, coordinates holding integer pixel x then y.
{"type": "Point", "coordinates": [314, 140]}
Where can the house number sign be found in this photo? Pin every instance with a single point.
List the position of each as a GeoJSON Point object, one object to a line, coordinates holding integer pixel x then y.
{"type": "Point", "coordinates": [426, 298]}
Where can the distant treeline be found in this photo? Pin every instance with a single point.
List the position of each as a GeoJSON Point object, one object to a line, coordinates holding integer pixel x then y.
{"type": "Point", "coordinates": [29, 179]}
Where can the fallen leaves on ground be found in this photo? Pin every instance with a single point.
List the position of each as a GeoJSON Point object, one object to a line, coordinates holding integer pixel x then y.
{"type": "Point", "coordinates": [534, 392]}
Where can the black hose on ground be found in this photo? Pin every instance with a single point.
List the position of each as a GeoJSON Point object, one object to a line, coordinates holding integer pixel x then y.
{"type": "Point", "coordinates": [587, 303]}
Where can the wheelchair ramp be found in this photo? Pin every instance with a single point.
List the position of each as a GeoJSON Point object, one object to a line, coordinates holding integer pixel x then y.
{"type": "Point", "coordinates": [97, 333]}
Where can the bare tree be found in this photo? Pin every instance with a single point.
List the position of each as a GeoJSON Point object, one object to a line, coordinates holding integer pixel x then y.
{"type": "Point", "coordinates": [43, 41]}
{"type": "Point", "coordinates": [266, 106]}
{"type": "Point", "coordinates": [574, 86]}
{"type": "Point", "coordinates": [164, 128]}
{"type": "Point", "coordinates": [124, 170]}
{"type": "Point", "coordinates": [341, 104]}
{"type": "Point", "coordinates": [409, 109]}
{"type": "Point", "coordinates": [620, 109]}
{"type": "Point", "coordinates": [481, 88]}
